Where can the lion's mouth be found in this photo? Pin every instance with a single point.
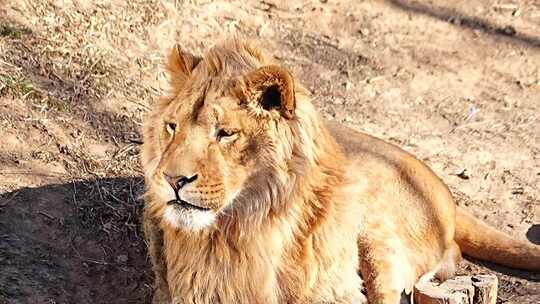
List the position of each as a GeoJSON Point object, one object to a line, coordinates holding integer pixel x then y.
{"type": "Point", "coordinates": [180, 203]}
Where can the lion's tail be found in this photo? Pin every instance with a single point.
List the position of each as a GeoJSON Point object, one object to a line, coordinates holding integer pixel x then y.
{"type": "Point", "coordinates": [478, 240]}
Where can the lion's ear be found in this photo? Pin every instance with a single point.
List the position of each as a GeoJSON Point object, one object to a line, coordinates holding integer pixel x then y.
{"type": "Point", "coordinates": [271, 88]}
{"type": "Point", "coordinates": [180, 65]}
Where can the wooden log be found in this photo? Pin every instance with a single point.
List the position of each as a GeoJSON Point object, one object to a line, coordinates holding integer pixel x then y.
{"type": "Point", "coordinates": [432, 293]}
{"type": "Point", "coordinates": [461, 284]}
{"type": "Point", "coordinates": [485, 289]}
{"type": "Point", "coordinates": [478, 289]}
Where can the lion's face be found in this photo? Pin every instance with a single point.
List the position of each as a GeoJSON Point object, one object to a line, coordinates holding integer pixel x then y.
{"type": "Point", "coordinates": [205, 147]}
{"type": "Point", "coordinates": [209, 144]}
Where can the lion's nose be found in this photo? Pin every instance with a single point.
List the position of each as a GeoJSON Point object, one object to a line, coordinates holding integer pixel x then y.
{"type": "Point", "coordinates": [179, 181]}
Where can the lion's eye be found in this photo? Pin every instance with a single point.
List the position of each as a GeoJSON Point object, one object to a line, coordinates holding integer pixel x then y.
{"type": "Point", "coordinates": [171, 127]}
{"type": "Point", "coordinates": [226, 135]}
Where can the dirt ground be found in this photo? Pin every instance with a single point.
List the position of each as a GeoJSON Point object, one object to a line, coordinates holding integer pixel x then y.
{"type": "Point", "coordinates": [456, 83]}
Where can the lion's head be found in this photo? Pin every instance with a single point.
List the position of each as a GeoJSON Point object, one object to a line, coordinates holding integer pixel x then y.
{"type": "Point", "coordinates": [230, 141]}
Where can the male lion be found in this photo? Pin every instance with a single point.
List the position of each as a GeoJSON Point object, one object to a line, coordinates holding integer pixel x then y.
{"type": "Point", "coordinates": [252, 198]}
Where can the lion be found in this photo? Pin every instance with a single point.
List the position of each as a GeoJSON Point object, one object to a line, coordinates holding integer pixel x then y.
{"type": "Point", "coordinates": [251, 197]}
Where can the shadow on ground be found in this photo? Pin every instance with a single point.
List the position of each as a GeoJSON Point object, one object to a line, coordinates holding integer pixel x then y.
{"type": "Point", "coordinates": [78, 242]}
{"type": "Point", "coordinates": [459, 19]}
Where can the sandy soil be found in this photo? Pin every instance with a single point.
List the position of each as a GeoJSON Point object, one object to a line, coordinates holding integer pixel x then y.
{"type": "Point", "coordinates": [456, 83]}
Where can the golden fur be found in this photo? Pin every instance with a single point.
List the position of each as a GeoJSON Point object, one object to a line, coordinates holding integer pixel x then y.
{"type": "Point", "coordinates": [274, 210]}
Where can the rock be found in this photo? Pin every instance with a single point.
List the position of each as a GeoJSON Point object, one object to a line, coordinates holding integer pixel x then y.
{"type": "Point", "coordinates": [122, 259]}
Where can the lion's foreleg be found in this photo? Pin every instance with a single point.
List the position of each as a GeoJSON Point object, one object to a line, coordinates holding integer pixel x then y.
{"type": "Point", "coordinates": [386, 273]}
{"type": "Point", "coordinates": [154, 239]}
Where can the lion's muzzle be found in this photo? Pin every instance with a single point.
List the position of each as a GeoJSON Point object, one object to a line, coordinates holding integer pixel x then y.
{"type": "Point", "coordinates": [190, 195]}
